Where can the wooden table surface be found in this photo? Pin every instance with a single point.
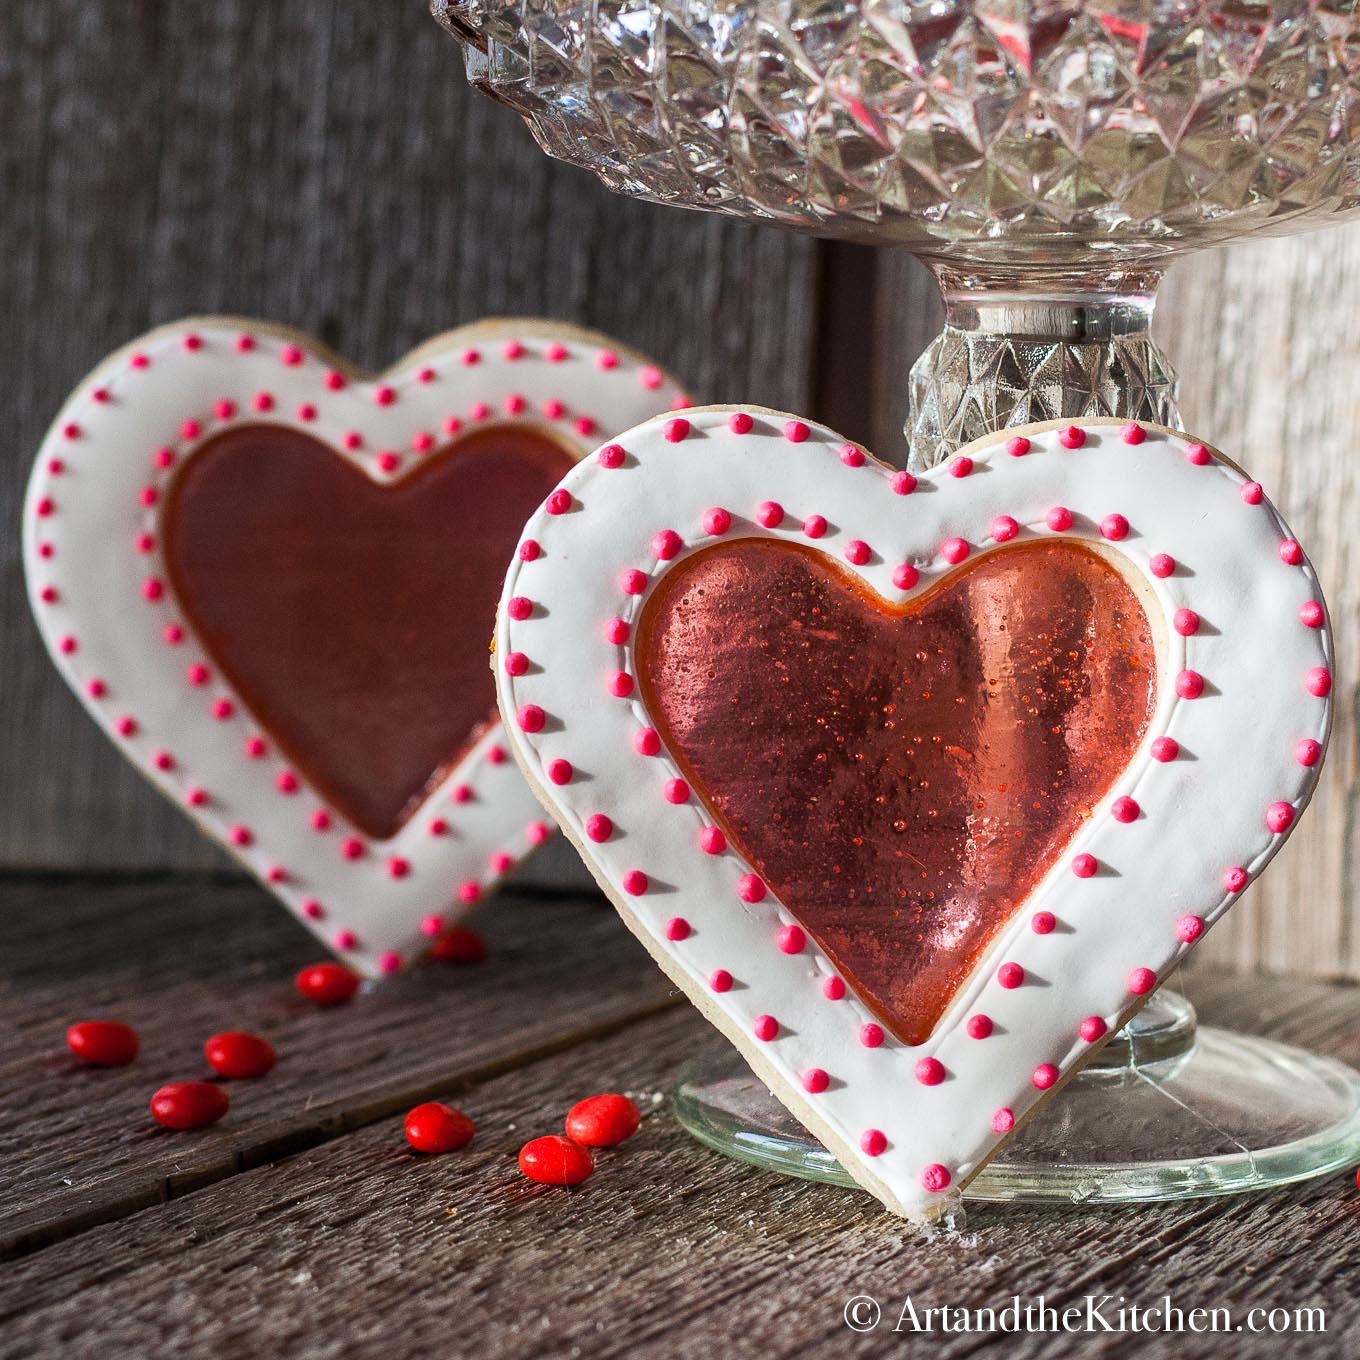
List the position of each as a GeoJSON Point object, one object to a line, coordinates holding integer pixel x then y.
{"type": "Point", "coordinates": [302, 1225]}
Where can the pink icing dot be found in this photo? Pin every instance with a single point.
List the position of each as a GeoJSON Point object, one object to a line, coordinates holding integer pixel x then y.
{"type": "Point", "coordinates": [1165, 749]}
{"type": "Point", "coordinates": [814, 526]}
{"type": "Point", "coordinates": [163, 458]}
{"type": "Point", "coordinates": [606, 359]}
{"type": "Point", "coordinates": [833, 989]}
{"type": "Point", "coordinates": [470, 357]}
{"type": "Point", "coordinates": [1189, 929]}
{"type": "Point", "coordinates": [930, 1071]}
{"type": "Point", "coordinates": [321, 820]}
{"type": "Point", "coordinates": [71, 431]}
{"type": "Point", "coordinates": [1003, 528]}
{"type": "Point", "coordinates": [389, 963]}
{"type": "Point", "coordinates": [611, 456]}
{"type": "Point", "coordinates": [632, 581]}
{"type": "Point", "coordinates": [385, 396]}
{"type": "Point", "coordinates": [1114, 527]}
{"type": "Point", "coordinates": [49, 595]}
{"type": "Point", "coordinates": [1185, 622]}
{"type": "Point", "coordinates": [902, 483]}
{"type": "Point", "coordinates": [422, 441]}
{"type": "Point", "coordinates": [1251, 492]}
{"type": "Point", "coordinates": [873, 1142]}
{"type": "Point", "coordinates": [530, 550]}
{"type": "Point", "coordinates": [512, 349]}
{"type": "Point", "coordinates": [148, 495]}
{"type": "Point", "coordinates": [193, 343]}
{"type": "Point", "coordinates": [979, 1026]}
{"type": "Point", "coordinates": [815, 1081]}
{"type": "Point", "coordinates": [438, 827]}
{"type": "Point", "coordinates": [351, 848]}
{"type": "Point", "coordinates": [140, 361]}
{"type": "Point", "coordinates": [751, 888]}
{"type": "Point", "coordinates": [469, 891]}
{"type": "Point", "coordinates": [1161, 565]}
{"type": "Point", "coordinates": [675, 791]}
{"type": "Point", "coordinates": [451, 425]}
{"type": "Point", "coordinates": [388, 461]}
{"type": "Point", "coordinates": [559, 771]}
{"type": "Point", "coordinates": [1124, 809]}
{"type": "Point", "coordinates": [496, 755]}
{"type": "Point", "coordinates": [1010, 975]}
{"type": "Point", "coordinates": [152, 589]}
{"type": "Point", "coordinates": [516, 663]}
{"type": "Point", "coordinates": [954, 550]}
{"type": "Point", "coordinates": [345, 939]}
{"type": "Point", "coordinates": [935, 1178]}
{"type": "Point", "coordinates": [500, 863]}
{"type": "Point", "coordinates": [646, 742]}
{"type": "Point", "coordinates": [67, 645]}
{"type": "Point", "coordinates": [1142, 981]}
{"type": "Point", "coordinates": [1073, 437]}
{"type": "Point", "coordinates": [795, 431]}
{"type": "Point", "coordinates": [1290, 553]}
{"type": "Point", "coordinates": [769, 514]}
{"type": "Point", "coordinates": [538, 832]}
{"type": "Point", "coordinates": [263, 401]}
{"type": "Point", "coordinates": [620, 684]}
{"type": "Point", "coordinates": [852, 456]}
{"type": "Point", "coordinates": [616, 631]}
{"type": "Point", "coordinates": [398, 867]}
{"type": "Point", "coordinates": [1197, 454]}
{"type": "Point", "coordinates": [46, 507]}
{"type": "Point", "coordinates": [145, 543]}
{"type": "Point", "coordinates": [677, 928]}
{"type": "Point", "coordinates": [857, 552]}
{"type": "Point", "coordinates": [634, 882]}
{"type": "Point", "coordinates": [559, 502]}
{"type": "Point", "coordinates": [712, 841]}
{"type": "Point", "coordinates": [960, 465]}
{"type": "Point", "coordinates": [313, 910]}
{"type": "Point", "coordinates": [555, 353]}
{"type": "Point", "coordinates": [223, 709]}
{"type": "Point", "coordinates": [1003, 1121]}
{"type": "Point", "coordinates": [1318, 681]}
{"type": "Point", "coordinates": [1189, 684]}
{"type": "Point", "coordinates": [291, 355]}
{"type": "Point", "coordinates": [1044, 1076]}
{"type": "Point", "coordinates": [56, 467]}
{"type": "Point", "coordinates": [675, 430]}
{"type": "Point", "coordinates": [353, 440]}
{"type": "Point", "coordinates": [462, 793]}
{"type": "Point", "coordinates": [871, 1035]}
{"type": "Point", "coordinates": [426, 375]}
{"type": "Point", "coordinates": [531, 718]}
{"type": "Point", "coordinates": [518, 607]}
{"type": "Point", "coordinates": [1092, 1028]}
{"type": "Point", "coordinates": [599, 827]}
{"type": "Point", "coordinates": [905, 576]}
{"type": "Point", "coordinates": [765, 1027]}
{"type": "Point", "coordinates": [224, 410]}
{"type": "Point", "coordinates": [791, 940]}
{"type": "Point", "coordinates": [1279, 817]}
{"type": "Point", "coordinates": [196, 797]}
{"type": "Point", "coordinates": [126, 727]}
{"type": "Point", "coordinates": [1311, 614]}
{"type": "Point", "coordinates": [432, 925]}
{"type": "Point", "coordinates": [1043, 922]}
{"type": "Point", "coordinates": [666, 544]}
{"type": "Point", "coordinates": [1235, 879]}
{"type": "Point", "coordinates": [1307, 752]}
{"type": "Point", "coordinates": [739, 422]}
{"type": "Point", "coordinates": [256, 748]}
{"type": "Point", "coordinates": [240, 835]}
{"type": "Point", "coordinates": [717, 521]}
{"type": "Point", "coordinates": [306, 412]}
{"type": "Point", "coordinates": [1017, 446]}
{"type": "Point", "coordinates": [514, 404]}
{"type": "Point", "coordinates": [1059, 519]}
{"type": "Point", "coordinates": [720, 980]}
{"type": "Point", "coordinates": [1133, 433]}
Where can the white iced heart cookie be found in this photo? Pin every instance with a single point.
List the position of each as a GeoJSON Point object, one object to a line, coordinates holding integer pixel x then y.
{"type": "Point", "coordinates": [917, 786]}
{"type": "Point", "coordinates": [272, 580]}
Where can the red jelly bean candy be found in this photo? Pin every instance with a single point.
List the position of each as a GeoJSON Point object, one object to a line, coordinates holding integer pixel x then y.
{"type": "Point", "coordinates": [603, 1121]}
{"type": "Point", "coordinates": [434, 1127]}
{"type": "Point", "coordinates": [189, 1104]}
{"type": "Point", "coordinates": [555, 1160]}
{"type": "Point", "coordinates": [459, 946]}
{"type": "Point", "coordinates": [103, 1043]}
{"type": "Point", "coordinates": [328, 984]}
{"type": "Point", "coordinates": [234, 1053]}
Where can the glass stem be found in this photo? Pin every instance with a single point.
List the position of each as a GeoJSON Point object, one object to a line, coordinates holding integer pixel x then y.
{"type": "Point", "coordinates": [1016, 349]}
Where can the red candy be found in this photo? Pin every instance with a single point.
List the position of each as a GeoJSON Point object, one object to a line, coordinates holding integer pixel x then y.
{"type": "Point", "coordinates": [602, 1121]}
{"type": "Point", "coordinates": [328, 984]}
{"type": "Point", "coordinates": [103, 1043]}
{"type": "Point", "coordinates": [555, 1160]}
{"type": "Point", "coordinates": [433, 1127]}
{"type": "Point", "coordinates": [459, 946]}
{"type": "Point", "coordinates": [234, 1053]}
{"type": "Point", "coordinates": [189, 1104]}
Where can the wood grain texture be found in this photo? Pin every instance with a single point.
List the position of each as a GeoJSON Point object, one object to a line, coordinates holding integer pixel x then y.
{"type": "Point", "coordinates": [337, 1244]}
{"type": "Point", "coordinates": [324, 164]}
{"type": "Point", "coordinates": [180, 960]}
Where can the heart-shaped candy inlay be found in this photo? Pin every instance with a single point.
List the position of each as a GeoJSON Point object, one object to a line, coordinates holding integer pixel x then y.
{"type": "Point", "coordinates": [917, 787]}
{"type": "Point", "coordinates": [272, 579]}
{"type": "Point", "coordinates": [922, 766]}
{"type": "Point", "coordinates": [353, 617]}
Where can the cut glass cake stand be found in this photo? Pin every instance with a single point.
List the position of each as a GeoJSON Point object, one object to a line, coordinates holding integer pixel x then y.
{"type": "Point", "coordinates": [1047, 160]}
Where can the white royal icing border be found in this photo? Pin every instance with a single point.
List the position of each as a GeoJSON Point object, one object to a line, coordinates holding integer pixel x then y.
{"type": "Point", "coordinates": [1237, 763]}
{"type": "Point", "coordinates": [102, 598]}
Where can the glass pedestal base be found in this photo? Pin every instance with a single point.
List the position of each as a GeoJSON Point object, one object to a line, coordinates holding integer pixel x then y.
{"type": "Point", "coordinates": [1168, 1110]}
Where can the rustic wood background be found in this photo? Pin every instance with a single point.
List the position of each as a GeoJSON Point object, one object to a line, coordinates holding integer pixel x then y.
{"type": "Point", "coordinates": [322, 163]}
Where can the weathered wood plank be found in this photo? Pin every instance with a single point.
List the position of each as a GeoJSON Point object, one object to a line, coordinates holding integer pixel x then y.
{"type": "Point", "coordinates": [668, 1250]}
{"type": "Point", "coordinates": [181, 961]}
{"type": "Point", "coordinates": [324, 165]}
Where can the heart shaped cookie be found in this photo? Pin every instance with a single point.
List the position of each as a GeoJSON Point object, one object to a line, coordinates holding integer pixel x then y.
{"type": "Point", "coordinates": [917, 786]}
{"type": "Point", "coordinates": [272, 579]}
